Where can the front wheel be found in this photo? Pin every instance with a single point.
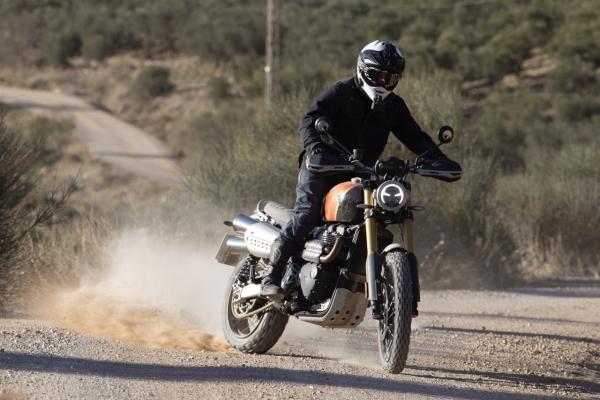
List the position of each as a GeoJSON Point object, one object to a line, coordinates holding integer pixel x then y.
{"type": "Point", "coordinates": [246, 328]}
{"type": "Point", "coordinates": [394, 327]}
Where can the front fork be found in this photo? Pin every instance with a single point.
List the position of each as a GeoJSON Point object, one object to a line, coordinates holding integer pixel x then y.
{"type": "Point", "coordinates": [409, 240]}
{"type": "Point", "coordinates": [374, 258]}
{"type": "Point", "coordinates": [373, 266]}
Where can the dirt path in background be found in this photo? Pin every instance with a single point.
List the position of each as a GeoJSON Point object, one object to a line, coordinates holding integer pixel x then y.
{"type": "Point", "coordinates": [531, 343]}
{"type": "Point", "coordinates": [106, 136]}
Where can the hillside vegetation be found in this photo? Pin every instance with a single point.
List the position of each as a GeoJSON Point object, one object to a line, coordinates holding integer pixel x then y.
{"type": "Point", "coordinates": [519, 79]}
{"type": "Point", "coordinates": [26, 204]}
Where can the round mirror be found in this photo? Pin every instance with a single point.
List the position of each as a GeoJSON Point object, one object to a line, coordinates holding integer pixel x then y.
{"type": "Point", "coordinates": [445, 134]}
{"type": "Point", "coordinates": [322, 125]}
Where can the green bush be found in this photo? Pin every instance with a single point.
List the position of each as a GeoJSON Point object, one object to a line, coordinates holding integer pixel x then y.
{"type": "Point", "coordinates": [223, 30]}
{"type": "Point", "coordinates": [578, 107]}
{"type": "Point", "coordinates": [573, 76]}
{"type": "Point", "coordinates": [577, 37]}
{"type": "Point", "coordinates": [58, 51]}
{"type": "Point", "coordinates": [152, 82]}
{"type": "Point", "coordinates": [483, 40]}
{"type": "Point", "coordinates": [96, 47]}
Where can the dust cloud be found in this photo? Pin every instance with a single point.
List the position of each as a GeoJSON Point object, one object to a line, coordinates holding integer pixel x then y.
{"type": "Point", "coordinates": [152, 293]}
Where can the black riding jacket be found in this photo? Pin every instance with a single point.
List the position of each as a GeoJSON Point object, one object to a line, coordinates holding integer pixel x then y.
{"type": "Point", "coordinates": [357, 126]}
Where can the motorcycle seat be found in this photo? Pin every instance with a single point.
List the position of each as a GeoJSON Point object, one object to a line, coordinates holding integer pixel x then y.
{"type": "Point", "coordinates": [274, 209]}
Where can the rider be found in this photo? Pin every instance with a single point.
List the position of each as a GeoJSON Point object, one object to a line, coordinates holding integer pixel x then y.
{"type": "Point", "coordinates": [362, 111]}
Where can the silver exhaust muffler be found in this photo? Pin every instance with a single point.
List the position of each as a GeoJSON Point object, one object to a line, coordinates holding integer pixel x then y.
{"type": "Point", "coordinates": [242, 222]}
{"type": "Point", "coordinates": [257, 240]}
{"type": "Point", "coordinates": [233, 248]}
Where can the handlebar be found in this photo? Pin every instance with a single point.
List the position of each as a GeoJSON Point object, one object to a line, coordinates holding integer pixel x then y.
{"type": "Point", "coordinates": [394, 166]}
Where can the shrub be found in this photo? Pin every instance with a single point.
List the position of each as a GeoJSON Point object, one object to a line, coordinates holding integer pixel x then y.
{"type": "Point", "coordinates": [578, 107]}
{"type": "Point", "coordinates": [577, 36]}
{"type": "Point", "coordinates": [21, 211]}
{"type": "Point", "coordinates": [57, 51]}
{"type": "Point", "coordinates": [223, 30]}
{"type": "Point", "coordinates": [96, 47]}
{"type": "Point", "coordinates": [152, 82]}
{"type": "Point", "coordinates": [49, 137]}
{"type": "Point", "coordinates": [244, 156]}
{"type": "Point", "coordinates": [573, 75]}
{"type": "Point", "coordinates": [218, 88]}
{"type": "Point", "coordinates": [549, 210]}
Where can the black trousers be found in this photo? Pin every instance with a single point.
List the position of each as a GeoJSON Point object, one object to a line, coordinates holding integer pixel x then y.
{"type": "Point", "coordinates": [310, 192]}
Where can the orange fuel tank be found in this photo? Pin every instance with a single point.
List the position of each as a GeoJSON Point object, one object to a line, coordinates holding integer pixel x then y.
{"type": "Point", "coordinates": [341, 202]}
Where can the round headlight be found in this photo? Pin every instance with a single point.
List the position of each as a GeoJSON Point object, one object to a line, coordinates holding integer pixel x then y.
{"type": "Point", "coordinates": [391, 195]}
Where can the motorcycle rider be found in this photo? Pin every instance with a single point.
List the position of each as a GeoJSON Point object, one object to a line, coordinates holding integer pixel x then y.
{"type": "Point", "coordinates": [362, 111]}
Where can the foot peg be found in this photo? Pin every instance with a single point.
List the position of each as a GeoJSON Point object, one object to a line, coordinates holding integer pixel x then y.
{"type": "Point", "coordinates": [272, 291]}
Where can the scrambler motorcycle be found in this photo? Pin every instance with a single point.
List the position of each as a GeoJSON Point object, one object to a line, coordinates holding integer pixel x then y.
{"type": "Point", "coordinates": [348, 264]}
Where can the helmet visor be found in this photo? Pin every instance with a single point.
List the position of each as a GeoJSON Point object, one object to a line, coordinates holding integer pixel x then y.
{"type": "Point", "coordinates": [382, 78]}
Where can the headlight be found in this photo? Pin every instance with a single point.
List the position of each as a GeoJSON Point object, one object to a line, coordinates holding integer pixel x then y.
{"type": "Point", "coordinates": [391, 195]}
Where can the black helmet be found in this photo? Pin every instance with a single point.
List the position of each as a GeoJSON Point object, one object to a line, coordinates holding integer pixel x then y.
{"type": "Point", "coordinates": [379, 68]}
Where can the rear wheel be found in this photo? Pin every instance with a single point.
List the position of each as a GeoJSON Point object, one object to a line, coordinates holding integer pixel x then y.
{"type": "Point", "coordinates": [394, 327]}
{"type": "Point", "coordinates": [246, 328]}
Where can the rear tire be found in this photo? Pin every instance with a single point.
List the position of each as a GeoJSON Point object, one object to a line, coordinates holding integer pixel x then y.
{"type": "Point", "coordinates": [255, 334]}
{"type": "Point", "coordinates": [397, 297]}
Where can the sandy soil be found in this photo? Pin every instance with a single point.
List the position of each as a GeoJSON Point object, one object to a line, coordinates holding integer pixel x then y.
{"type": "Point", "coordinates": [530, 343]}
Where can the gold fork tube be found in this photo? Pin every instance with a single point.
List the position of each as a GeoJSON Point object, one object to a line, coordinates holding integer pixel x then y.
{"type": "Point", "coordinates": [371, 236]}
{"type": "Point", "coordinates": [370, 223]}
{"type": "Point", "coordinates": [408, 232]}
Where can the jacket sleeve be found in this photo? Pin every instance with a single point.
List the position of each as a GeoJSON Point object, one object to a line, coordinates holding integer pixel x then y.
{"type": "Point", "coordinates": [326, 105]}
{"type": "Point", "coordinates": [410, 133]}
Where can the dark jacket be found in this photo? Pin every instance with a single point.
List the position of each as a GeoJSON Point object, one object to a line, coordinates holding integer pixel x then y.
{"type": "Point", "coordinates": [357, 126]}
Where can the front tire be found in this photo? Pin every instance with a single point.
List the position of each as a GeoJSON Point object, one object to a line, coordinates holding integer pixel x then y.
{"type": "Point", "coordinates": [254, 334]}
{"type": "Point", "coordinates": [397, 297]}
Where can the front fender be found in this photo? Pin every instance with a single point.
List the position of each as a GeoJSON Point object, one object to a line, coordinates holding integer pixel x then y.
{"type": "Point", "coordinates": [414, 272]}
{"type": "Point", "coordinates": [393, 246]}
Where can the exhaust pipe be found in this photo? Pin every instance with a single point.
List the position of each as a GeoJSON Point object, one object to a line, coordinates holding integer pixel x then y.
{"type": "Point", "coordinates": [242, 222]}
{"type": "Point", "coordinates": [236, 244]}
{"type": "Point", "coordinates": [232, 250]}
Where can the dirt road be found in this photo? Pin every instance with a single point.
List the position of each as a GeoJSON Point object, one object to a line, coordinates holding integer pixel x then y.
{"type": "Point", "coordinates": [532, 343]}
{"type": "Point", "coordinates": [106, 136]}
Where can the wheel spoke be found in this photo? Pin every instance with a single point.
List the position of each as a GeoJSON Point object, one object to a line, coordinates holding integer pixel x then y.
{"type": "Point", "coordinates": [386, 325]}
{"type": "Point", "coordinates": [243, 327]}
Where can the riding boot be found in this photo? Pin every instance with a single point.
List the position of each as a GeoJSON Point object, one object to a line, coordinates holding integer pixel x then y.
{"type": "Point", "coordinates": [281, 251]}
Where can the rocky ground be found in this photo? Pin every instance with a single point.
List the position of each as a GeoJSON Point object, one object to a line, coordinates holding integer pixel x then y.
{"type": "Point", "coordinates": [531, 343]}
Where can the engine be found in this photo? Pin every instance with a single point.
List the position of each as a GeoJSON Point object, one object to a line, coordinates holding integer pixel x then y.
{"type": "Point", "coordinates": [318, 278]}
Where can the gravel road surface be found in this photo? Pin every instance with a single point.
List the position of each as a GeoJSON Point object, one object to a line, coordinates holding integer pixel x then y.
{"type": "Point", "coordinates": [531, 343]}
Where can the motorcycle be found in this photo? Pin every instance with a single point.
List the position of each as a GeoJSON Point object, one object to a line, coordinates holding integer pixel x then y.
{"type": "Point", "coordinates": [348, 264]}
